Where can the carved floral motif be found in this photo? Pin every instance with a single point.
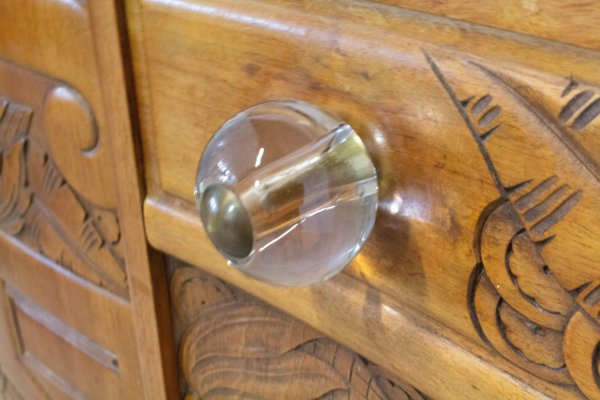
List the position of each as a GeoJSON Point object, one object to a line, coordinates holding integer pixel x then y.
{"type": "Point", "coordinates": [41, 209]}
{"type": "Point", "coordinates": [534, 293]}
{"type": "Point", "coordinates": [233, 346]}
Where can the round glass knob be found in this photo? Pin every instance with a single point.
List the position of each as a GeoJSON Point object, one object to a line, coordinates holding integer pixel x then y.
{"type": "Point", "coordinates": [287, 193]}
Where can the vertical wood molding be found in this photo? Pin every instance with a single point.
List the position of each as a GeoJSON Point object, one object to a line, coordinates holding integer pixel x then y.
{"type": "Point", "coordinates": [7, 390]}
{"type": "Point", "coordinates": [147, 278]}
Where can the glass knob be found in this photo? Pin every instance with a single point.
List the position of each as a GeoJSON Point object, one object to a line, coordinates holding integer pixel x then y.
{"type": "Point", "coordinates": [287, 192]}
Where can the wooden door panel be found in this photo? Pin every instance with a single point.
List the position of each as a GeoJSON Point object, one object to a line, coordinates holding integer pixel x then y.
{"type": "Point", "coordinates": [7, 390]}
{"type": "Point", "coordinates": [48, 127]}
{"type": "Point", "coordinates": [58, 353]}
{"type": "Point", "coordinates": [69, 334]}
{"type": "Point", "coordinates": [61, 249]}
{"type": "Point", "coordinates": [58, 39]}
{"type": "Point", "coordinates": [78, 297]}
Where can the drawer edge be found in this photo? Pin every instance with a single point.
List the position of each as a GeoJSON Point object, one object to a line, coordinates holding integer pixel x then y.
{"type": "Point", "coordinates": [372, 322]}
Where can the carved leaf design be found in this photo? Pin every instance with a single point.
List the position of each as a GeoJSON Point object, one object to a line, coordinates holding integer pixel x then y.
{"type": "Point", "coordinates": [531, 296]}
{"type": "Point", "coordinates": [56, 210]}
{"type": "Point", "coordinates": [41, 209]}
{"type": "Point", "coordinates": [234, 347]}
{"type": "Point", "coordinates": [511, 261]}
{"type": "Point", "coordinates": [294, 375]}
{"type": "Point", "coordinates": [265, 362]}
{"type": "Point", "coordinates": [14, 122]}
{"type": "Point", "coordinates": [510, 333]}
{"type": "Point", "coordinates": [195, 292]}
{"type": "Point", "coordinates": [266, 333]}
{"type": "Point", "coordinates": [13, 200]}
{"type": "Point", "coordinates": [581, 346]}
{"type": "Point", "coordinates": [394, 388]}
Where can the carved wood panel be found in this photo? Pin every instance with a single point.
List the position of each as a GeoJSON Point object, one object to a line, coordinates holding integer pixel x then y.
{"type": "Point", "coordinates": [70, 223]}
{"type": "Point", "coordinates": [234, 346]}
{"type": "Point", "coordinates": [534, 294]}
{"type": "Point", "coordinates": [38, 205]}
{"type": "Point", "coordinates": [50, 230]}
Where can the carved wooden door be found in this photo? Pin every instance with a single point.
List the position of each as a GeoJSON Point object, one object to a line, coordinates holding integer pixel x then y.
{"type": "Point", "coordinates": [70, 284]}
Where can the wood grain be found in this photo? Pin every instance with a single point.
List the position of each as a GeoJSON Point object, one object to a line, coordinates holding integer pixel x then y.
{"type": "Point", "coordinates": [36, 49]}
{"type": "Point", "coordinates": [486, 146]}
{"type": "Point", "coordinates": [80, 315]}
{"type": "Point", "coordinates": [368, 321]}
{"type": "Point", "coordinates": [8, 390]}
{"type": "Point", "coordinates": [38, 205]}
{"type": "Point", "coordinates": [145, 268]}
{"type": "Point", "coordinates": [571, 21]}
{"type": "Point", "coordinates": [564, 21]}
{"type": "Point", "coordinates": [53, 345]}
{"type": "Point", "coordinates": [233, 345]}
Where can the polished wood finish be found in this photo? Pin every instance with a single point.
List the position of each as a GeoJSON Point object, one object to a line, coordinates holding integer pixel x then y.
{"type": "Point", "coordinates": [567, 21]}
{"type": "Point", "coordinates": [78, 304]}
{"type": "Point", "coordinates": [8, 390]}
{"type": "Point", "coordinates": [480, 274]}
{"type": "Point", "coordinates": [373, 323]}
{"type": "Point", "coordinates": [480, 277]}
{"type": "Point", "coordinates": [234, 346]}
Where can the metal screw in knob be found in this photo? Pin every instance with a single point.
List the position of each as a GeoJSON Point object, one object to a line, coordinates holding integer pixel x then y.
{"type": "Point", "coordinates": [287, 193]}
{"type": "Point", "coordinates": [226, 221]}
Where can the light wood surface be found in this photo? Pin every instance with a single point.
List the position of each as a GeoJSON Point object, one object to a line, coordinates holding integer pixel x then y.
{"type": "Point", "coordinates": [7, 390]}
{"type": "Point", "coordinates": [567, 21]}
{"type": "Point", "coordinates": [486, 145]}
{"type": "Point", "coordinates": [422, 351]}
{"type": "Point", "coordinates": [79, 315]}
{"type": "Point", "coordinates": [480, 279]}
{"type": "Point", "coordinates": [145, 268]}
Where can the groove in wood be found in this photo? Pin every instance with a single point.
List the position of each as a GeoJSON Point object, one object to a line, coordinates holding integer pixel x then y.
{"type": "Point", "coordinates": [7, 390]}
{"type": "Point", "coordinates": [38, 206]}
{"type": "Point", "coordinates": [90, 348]}
{"type": "Point", "coordinates": [523, 299]}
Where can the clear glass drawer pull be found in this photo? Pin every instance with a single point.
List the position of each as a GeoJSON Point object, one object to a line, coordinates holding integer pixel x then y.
{"type": "Point", "coordinates": [287, 193]}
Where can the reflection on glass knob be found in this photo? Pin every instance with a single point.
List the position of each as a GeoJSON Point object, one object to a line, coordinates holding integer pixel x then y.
{"type": "Point", "coordinates": [287, 193]}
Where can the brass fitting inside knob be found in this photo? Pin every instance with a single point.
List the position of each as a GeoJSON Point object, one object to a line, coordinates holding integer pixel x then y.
{"type": "Point", "coordinates": [226, 221]}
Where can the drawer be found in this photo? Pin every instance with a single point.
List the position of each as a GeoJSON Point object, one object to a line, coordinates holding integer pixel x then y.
{"type": "Point", "coordinates": [479, 279]}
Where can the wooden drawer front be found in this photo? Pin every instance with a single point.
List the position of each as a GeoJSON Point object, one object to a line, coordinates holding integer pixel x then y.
{"type": "Point", "coordinates": [486, 145]}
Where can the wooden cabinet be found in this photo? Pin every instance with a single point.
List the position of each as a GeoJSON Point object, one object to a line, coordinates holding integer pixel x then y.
{"type": "Point", "coordinates": [78, 316]}
{"type": "Point", "coordinates": [479, 280]}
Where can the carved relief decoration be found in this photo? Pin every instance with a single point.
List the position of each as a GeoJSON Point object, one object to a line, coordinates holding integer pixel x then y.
{"type": "Point", "coordinates": [7, 389]}
{"type": "Point", "coordinates": [233, 346]}
{"type": "Point", "coordinates": [38, 206]}
{"type": "Point", "coordinates": [534, 293]}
